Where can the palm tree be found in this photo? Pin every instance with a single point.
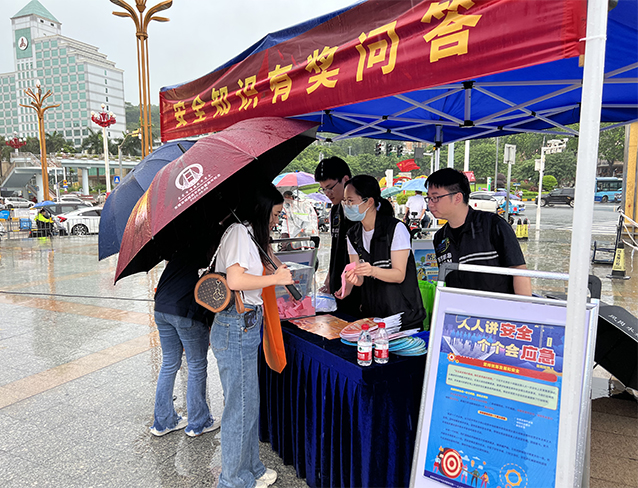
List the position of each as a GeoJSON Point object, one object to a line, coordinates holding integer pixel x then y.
{"type": "Point", "coordinates": [55, 142]}
{"type": "Point", "coordinates": [93, 143]}
{"type": "Point", "coordinates": [131, 146]}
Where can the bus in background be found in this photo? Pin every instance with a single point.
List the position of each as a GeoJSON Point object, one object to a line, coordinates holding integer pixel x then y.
{"type": "Point", "coordinates": [606, 188]}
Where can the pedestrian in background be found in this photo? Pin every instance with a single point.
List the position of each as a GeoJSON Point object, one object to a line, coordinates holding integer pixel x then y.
{"type": "Point", "coordinates": [182, 329]}
{"type": "Point", "coordinates": [235, 337]}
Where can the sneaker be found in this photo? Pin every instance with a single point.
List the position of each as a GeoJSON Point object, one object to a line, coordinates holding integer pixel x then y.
{"type": "Point", "coordinates": [260, 484]}
{"type": "Point", "coordinates": [211, 428]}
{"type": "Point", "coordinates": [181, 424]}
{"type": "Point", "coordinates": [268, 478]}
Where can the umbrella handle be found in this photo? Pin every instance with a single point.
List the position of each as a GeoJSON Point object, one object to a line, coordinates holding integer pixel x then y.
{"type": "Point", "coordinates": [296, 294]}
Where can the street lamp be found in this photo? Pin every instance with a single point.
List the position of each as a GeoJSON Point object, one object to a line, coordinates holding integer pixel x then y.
{"type": "Point", "coordinates": [143, 74]}
{"type": "Point", "coordinates": [135, 133]}
{"type": "Point", "coordinates": [553, 146]}
{"type": "Point", "coordinates": [15, 142]}
{"type": "Point", "coordinates": [36, 104]}
{"type": "Point", "coordinates": [105, 120]}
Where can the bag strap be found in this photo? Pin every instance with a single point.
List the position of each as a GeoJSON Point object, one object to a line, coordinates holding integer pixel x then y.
{"type": "Point", "coordinates": [203, 271]}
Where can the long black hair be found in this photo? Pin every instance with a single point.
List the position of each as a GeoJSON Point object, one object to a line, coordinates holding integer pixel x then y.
{"type": "Point", "coordinates": [367, 187]}
{"type": "Point", "coordinates": [257, 210]}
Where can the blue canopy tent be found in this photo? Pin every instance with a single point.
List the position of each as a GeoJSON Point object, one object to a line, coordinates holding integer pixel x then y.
{"type": "Point", "coordinates": [544, 97]}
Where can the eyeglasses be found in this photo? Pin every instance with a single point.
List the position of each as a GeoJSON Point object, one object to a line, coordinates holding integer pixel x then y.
{"type": "Point", "coordinates": [329, 189]}
{"type": "Point", "coordinates": [351, 203]}
{"type": "Point", "coordinates": [437, 198]}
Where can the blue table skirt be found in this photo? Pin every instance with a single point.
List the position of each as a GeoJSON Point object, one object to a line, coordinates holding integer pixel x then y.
{"type": "Point", "coordinates": [340, 424]}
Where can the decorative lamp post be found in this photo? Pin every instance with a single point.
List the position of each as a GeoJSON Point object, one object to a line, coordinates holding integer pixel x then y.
{"type": "Point", "coordinates": [553, 146]}
{"type": "Point", "coordinates": [38, 99]}
{"type": "Point", "coordinates": [16, 143]}
{"type": "Point", "coordinates": [143, 74]}
{"type": "Point", "coordinates": [105, 120]}
{"type": "Point", "coordinates": [135, 133]}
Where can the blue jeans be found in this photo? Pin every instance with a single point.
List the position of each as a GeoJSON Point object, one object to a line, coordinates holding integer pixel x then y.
{"type": "Point", "coordinates": [179, 334]}
{"type": "Point", "coordinates": [236, 348]}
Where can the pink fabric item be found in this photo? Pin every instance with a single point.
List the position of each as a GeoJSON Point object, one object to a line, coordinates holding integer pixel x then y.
{"type": "Point", "coordinates": [348, 267]}
{"type": "Point", "coordinates": [290, 309]}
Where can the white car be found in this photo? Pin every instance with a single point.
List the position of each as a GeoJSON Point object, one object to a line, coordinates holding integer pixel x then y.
{"type": "Point", "coordinates": [484, 200]}
{"type": "Point", "coordinates": [70, 199]}
{"type": "Point", "coordinates": [82, 221]}
{"type": "Point", "coordinates": [17, 202]}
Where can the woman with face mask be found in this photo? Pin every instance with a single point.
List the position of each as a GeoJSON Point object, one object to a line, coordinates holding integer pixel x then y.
{"type": "Point", "coordinates": [379, 244]}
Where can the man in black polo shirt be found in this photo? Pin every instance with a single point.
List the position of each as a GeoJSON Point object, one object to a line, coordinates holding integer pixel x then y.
{"type": "Point", "coordinates": [473, 237]}
{"type": "Point", "coordinates": [331, 174]}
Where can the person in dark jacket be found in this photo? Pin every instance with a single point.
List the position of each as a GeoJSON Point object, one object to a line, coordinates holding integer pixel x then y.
{"type": "Point", "coordinates": [379, 246]}
{"type": "Point", "coordinates": [473, 237]}
{"type": "Point", "coordinates": [182, 329]}
{"type": "Point", "coordinates": [332, 175]}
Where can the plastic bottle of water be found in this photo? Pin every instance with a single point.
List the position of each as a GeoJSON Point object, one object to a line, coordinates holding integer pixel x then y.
{"type": "Point", "coordinates": [381, 345]}
{"type": "Point", "coordinates": [364, 346]}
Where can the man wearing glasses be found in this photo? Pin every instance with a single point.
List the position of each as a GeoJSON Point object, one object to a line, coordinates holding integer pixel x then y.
{"type": "Point", "coordinates": [331, 174]}
{"type": "Point", "coordinates": [473, 237]}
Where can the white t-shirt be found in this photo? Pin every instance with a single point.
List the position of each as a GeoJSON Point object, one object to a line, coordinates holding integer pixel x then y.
{"type": "Point", "coordinates": [400, 239]}
{"type": "Point", "coordinates": [416, 203]}
{"type": "Point", "coordinates": [238, 248]}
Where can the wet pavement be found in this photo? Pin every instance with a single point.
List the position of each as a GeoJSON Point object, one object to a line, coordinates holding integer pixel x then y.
{"type": "Point", "coordinates": [80, 358]}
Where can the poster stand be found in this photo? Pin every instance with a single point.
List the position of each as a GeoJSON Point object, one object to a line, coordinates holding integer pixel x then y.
{"type": "Point", "coordinates": [492, 396]}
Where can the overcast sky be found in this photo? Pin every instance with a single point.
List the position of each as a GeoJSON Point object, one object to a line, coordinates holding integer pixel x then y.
{"type": "Point", "coordinates": [201, 34]}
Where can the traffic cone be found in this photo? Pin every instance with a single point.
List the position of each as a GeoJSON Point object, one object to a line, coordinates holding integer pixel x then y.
{"type": "Point", "coordinates": [618, 268]}
{"type": "Point", "coordinates": [519, 229]}
{"type": "Point", "coordinates": [525, 229]}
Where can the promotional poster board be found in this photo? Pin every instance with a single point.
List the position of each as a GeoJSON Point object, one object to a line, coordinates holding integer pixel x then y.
{"type": "Point", "coordinates": [427, 269]}
{"type": "Point", "coordinates": [492, 392]}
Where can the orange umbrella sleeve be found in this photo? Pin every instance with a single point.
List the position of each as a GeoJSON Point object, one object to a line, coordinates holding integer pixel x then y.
{"type": "Point", "coordinates": [273, 338]}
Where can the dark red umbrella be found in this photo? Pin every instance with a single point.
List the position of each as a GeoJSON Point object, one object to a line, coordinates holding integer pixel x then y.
{"type": "Point", "coordinates": [191, 195]}
{"type": "Point", "coordinates": [407, 165]}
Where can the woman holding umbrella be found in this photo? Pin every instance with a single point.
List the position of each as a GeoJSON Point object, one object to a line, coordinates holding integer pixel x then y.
{"type": "Point", "coordinates": [235, 337]}
{"type": "Point", "coordinates": [381, 256]}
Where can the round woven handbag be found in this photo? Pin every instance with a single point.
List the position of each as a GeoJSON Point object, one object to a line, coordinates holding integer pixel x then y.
{"type": "Point", "coordinates": [212, 292]}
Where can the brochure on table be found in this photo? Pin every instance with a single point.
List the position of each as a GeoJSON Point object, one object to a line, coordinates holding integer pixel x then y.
{"type": "Point", "coordinates": [491, 403]}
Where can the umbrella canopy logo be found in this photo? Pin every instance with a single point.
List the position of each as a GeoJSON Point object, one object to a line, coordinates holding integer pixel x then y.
{"type": "Point", "coordinates": [189, 176]}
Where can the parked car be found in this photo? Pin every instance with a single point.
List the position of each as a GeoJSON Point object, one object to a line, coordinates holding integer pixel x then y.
{"type": "Point", "coordinates": [57, 208]}
{"type": "Point", "coordinates": [558, 196]}
{"type": "Point", "coordinates": [17, 202]}
{"type": "Point", "coordinates": [70, 199]}
{"type": "Point", "coordinates": [483, 200]}
{"type": "Point", "coordinates": [82, 221]}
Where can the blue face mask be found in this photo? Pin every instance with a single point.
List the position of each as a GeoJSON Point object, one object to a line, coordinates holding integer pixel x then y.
{"type": "Point", "coordinates": [352, 212]}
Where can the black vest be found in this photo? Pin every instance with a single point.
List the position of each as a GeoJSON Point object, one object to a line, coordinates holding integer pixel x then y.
{"type": "Point", "coordinates": [381, 299]}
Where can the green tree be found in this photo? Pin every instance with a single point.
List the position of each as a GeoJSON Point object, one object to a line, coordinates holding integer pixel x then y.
{"type": "Point", "coordinates": [133, 119]}
{"type": "Point", "coordinates": [56, 142]}
{"type": "Point", "coordinates": [132, 145]}
{"type": "Point", "coordinates": [562, 166]}
{"type": "Point", "coordinates": [5, 150]}
{"type": "Point", "coordinates": [93, 143]}
{"type": "Point", "coordinates": [549, 183]}
{"type": "Point", "coordinates": [611, 147]}
{"type": "Point", "coordinates": [32, 146]}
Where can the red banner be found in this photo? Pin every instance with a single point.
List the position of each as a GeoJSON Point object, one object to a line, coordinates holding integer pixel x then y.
{"type": "Point", "coordinates": [376, 49]}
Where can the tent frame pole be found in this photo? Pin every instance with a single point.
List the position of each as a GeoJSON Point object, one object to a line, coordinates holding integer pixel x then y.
{"type": "Point", "coordinates": [569, 467]}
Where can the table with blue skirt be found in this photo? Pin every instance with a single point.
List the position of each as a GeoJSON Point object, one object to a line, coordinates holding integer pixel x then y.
{"type": "Point", "coordinates": [337, 423]}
